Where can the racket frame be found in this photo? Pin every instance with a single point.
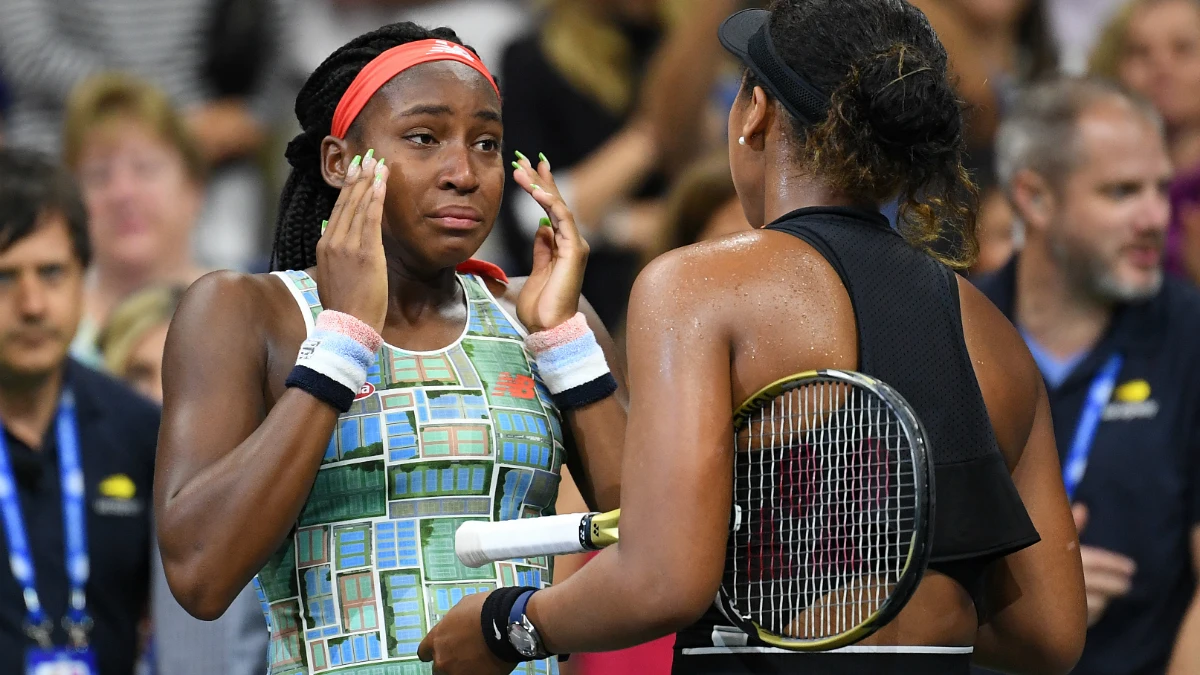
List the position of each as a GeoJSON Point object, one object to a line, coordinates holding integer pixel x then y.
{"type": "Point", "coordinates": [920, 544]}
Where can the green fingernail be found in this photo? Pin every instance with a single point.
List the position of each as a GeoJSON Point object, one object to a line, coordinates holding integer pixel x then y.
{"type": "Point", "coordinates": [545, 222]}
{"type": "Point", "coordinates": [370, 154]}
{"type": "Point", "coordinates": [356, 161]}
{"type": "Point", "coordinates": [379, 167]}
{"type": "Point", "coordinates": [519, 155]}
{"type": "Point", "coordinates": [324, 224]}
{"type": "Point", "coordinates": [543, 158]}
{"type": "Point", "coordinates": [516, 166]}
{"type": "Point", "coordinates": [536, 187]}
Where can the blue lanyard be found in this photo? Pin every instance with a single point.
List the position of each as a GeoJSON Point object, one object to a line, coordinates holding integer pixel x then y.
{"type": "Point", "coordinates": [38, 624]}
{"type": "Point", "coordinates": [1089, 420]}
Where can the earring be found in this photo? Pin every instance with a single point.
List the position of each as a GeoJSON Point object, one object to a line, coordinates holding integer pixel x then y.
{"type": "Point", "coordinates": [742, 140]}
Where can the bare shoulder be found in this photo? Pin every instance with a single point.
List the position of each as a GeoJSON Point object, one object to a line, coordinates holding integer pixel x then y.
{"type": "Point", "coordinates": [229, 293]}
{"type": "Point", "coordinates": [723, 274]}
{"type": "Point", "coordinates": [222, 309]}
{"type": "Point", "coordinates": [1008, 377]}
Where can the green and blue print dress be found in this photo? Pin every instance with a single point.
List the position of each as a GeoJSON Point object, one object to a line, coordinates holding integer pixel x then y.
{"type": "Point", "coordinates": [435, 439]}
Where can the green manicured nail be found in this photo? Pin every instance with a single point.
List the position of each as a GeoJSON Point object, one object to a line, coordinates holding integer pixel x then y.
{"type": "Point", "coordinates": [379, 167]}
{"type": "Point", "coordinates": [543, 158]}
{"type": "Point", "coordinates": [519, 155]}
{"type": "Point", "coordinates": [516, 166]}
{"type": "Point", "coordinates": [370, 154]}
{"type": "Point", "coordinates": [324, 224]}
{"type": "Point", "coordinates": [536, 187]}
{"type": "Point", "coordinates": [545, 222]}
{"type": "Point", "coordinates": [356, 161]}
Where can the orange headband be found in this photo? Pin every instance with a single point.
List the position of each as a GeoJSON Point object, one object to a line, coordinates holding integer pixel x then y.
{"type": "Point", "coordinates": [391, 63]}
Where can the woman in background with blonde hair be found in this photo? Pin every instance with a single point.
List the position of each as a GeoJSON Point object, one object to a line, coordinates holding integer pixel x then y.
{"type": "Point", "coordinates": [1152, 47]}
{"type": "Point", "coordinates": [131, 344]}
{"type": "Point", "coordinates": [142, 177]}
{"type": "Point", "coordinates": [131, 347]}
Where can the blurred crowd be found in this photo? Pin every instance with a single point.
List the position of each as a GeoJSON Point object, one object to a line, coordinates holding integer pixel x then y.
{"type": "Point", "coordinates": [171, 118]}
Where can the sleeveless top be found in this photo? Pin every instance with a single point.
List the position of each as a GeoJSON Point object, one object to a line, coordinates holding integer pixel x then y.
{"type": "Point", "coordinates": [910, 335]}
{"type": "Point", "coordinates": [434, 439]}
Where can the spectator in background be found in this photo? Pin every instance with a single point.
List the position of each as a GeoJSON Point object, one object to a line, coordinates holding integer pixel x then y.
{"type": "Point", "coordinates": [236, 644]}
{"type": "Point", "coordinates": [131, 343]}
{"type": "Point", "coordinates": [1153, 48]}
{"type": "Point", "coordinates": [614, 93]}
{"type": "Point", "coordinates": [1085, 168]}
{"type": "Point", "coordinates": [1076, 25]}
{"type": "Point", "coordinates": [109, 435]}
{"type": "Point", "coordinates": [142, 179]}
{"type": "Point", "coordinates": [995, 46]}
{"type": "Point", "coordinates": [216, 59]}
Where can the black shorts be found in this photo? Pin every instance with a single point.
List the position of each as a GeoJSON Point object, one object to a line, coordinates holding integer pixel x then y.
{"type": "Point", "coordinates": [848, 661]}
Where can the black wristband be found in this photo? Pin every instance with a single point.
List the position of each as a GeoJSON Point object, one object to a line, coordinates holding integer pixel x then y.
{"type": "Point", "coordinates": [589, 392]}
{"type": "Point", "coordinates": [494, 622]}
{"type": "Point", "coordinates": [322, 387]}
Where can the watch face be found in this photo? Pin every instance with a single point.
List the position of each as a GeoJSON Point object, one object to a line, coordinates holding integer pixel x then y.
{"type": "Point", "coordinates": [525, 644]}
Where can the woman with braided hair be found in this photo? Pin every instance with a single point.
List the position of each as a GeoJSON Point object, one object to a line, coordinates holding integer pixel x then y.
{"type": "Point", "coordinates": [328, 426]}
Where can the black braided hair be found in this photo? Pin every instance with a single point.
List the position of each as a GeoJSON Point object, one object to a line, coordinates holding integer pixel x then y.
{"type": "Point", "coordinates": [307, 199]}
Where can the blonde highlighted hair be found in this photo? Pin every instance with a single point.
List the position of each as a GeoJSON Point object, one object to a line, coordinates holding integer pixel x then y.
{"type": "Point", "coordinates": [132, 319]}
{"type": "Point", "coordinates": [103, 99]}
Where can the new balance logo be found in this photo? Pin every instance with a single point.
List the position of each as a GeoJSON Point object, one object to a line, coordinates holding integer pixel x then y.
{"type": "Point", "coordinates": [444, 47]}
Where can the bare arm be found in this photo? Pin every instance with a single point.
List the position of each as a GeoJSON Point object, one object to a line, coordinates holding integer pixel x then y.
{"type": "Point", "coordinates": [229, 481]}
{"type": "Point", "coordinates": [675, 514]}
{"type": "Point", "coordinates": [1037, 612]}
{"type": "Point", "coordinates": [599, 430]}
{"type": "Point", "coordinates": [1039, 615]}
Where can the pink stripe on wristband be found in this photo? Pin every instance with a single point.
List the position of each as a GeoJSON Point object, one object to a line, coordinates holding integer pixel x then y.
{"type": "Point", "coordinates": [355, 329]}
{"type": "Point", "coordinates": [570, 330]}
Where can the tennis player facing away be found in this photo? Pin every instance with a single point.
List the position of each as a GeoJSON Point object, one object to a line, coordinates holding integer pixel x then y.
{"type": "Point", "coordinates": [845, 104]}
{"type": "Point", "coordinates": [328, 426]}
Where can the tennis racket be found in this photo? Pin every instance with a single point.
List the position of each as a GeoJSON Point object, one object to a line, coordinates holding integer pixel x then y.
{"type": "Point", "coordinates": [832, 517]}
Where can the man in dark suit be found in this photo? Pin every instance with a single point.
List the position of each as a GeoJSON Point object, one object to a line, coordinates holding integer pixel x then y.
{"type": "Point", "coordinates": [77, 447]}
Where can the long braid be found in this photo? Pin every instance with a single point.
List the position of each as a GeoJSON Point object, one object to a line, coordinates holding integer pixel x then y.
{"type": "Point", "coordinates": [307, 199]}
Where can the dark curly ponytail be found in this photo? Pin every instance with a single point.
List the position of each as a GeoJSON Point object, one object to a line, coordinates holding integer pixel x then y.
{"type": "Point", "coordinates": [307, 199]}
{"type": "Point", "coordinates": [895, 124]}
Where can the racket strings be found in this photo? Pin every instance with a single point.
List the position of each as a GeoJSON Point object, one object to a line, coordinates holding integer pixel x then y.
{"type": "Point", "coordinates": [824, 482]}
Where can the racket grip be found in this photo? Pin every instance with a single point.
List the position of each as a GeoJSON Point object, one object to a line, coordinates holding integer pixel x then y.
{"type": "Point", "coordinates": [478, 542]}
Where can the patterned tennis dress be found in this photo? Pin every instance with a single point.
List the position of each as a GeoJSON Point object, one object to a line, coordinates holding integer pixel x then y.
{"type": "Point", "coordinates": [433, 440]}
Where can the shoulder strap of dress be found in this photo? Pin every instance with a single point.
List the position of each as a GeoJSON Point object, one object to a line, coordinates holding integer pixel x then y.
{"type": "Point", "coordinates": [304, 291]}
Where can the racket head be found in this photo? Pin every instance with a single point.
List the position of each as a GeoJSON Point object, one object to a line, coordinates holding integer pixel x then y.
{"type": "Point", "coordinates": [895, 468]}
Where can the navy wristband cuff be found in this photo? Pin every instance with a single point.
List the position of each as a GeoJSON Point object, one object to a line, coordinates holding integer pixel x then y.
{"type": "Point", "coordinates": [589, 392]}
{"type": "Point", "coordinates": [494, 621]}
{"type": "Point", "coordinates": [322, 387]}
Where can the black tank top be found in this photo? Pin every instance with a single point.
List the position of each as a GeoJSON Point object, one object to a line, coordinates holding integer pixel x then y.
{"type": "Point", "coordinates": [910, 335]}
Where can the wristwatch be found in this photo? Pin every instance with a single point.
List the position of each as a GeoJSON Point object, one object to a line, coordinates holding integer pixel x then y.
{"type": "Point", "coordinates": [521, 633]}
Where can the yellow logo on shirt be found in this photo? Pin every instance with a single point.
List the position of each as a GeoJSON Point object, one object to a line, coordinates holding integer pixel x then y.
{"type": "Point", "coordinates": [1134, 391]}
{"type": "Point", "coordinates": [118, 486]}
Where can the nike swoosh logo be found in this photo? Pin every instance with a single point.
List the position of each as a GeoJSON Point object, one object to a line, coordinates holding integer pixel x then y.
{"type": "Point", "coordinates": [497, 629]}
